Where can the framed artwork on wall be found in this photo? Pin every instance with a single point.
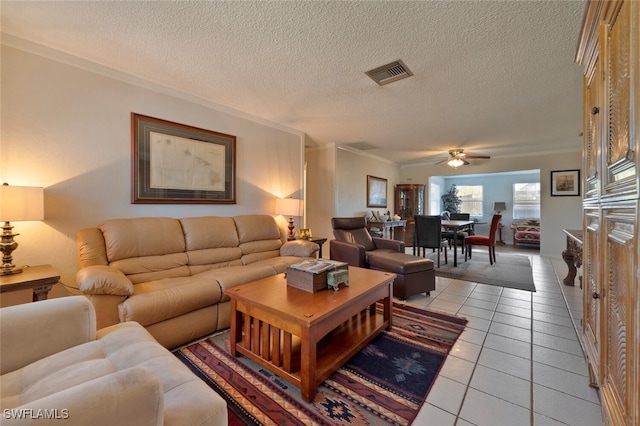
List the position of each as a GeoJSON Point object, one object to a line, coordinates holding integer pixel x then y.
{"type": "Point", "coordinates": [376, 192]}
{"type": "Point", "coordinates": [178, 164]}
{"type": "Point", "coordinates": [565, 183]}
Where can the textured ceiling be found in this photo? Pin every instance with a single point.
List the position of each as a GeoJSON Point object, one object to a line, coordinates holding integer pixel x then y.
{"type": "Point", "coordinates": [494, 77]}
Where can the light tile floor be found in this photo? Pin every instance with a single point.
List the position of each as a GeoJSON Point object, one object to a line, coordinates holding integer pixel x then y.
{"type": "Point", "coordinates": [520, 359]}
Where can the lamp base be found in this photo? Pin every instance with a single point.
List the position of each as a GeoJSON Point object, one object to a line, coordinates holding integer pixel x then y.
{"type": "Point", "coordinates": [7, 246]}
{"type": "Point", "coordinates": [10, 271]}
{"type": "Point", "coordinates": [292, 233]}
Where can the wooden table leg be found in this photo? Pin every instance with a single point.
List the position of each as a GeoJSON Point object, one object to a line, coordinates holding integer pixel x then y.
{"type": "Point", "coordinates": [236, 328]}
{"type": "Point", "coordinates": [308, 366]}
{"type": "Point", "coordinates": [41, 292]}
{"type": "Point", "coordinates": [455, 245]}
{"type": "Point", "coordinates": [569, 259]}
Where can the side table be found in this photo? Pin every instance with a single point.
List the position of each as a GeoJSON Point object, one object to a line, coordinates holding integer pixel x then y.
{"type": "Point", "coordinates": [320, 242]}
{"type": "Point", "coordinates": [572, 256]}
{"type": "Point", "coordinates": [38, 278]}
{"type": "Point", "coordinates": [500, 240]}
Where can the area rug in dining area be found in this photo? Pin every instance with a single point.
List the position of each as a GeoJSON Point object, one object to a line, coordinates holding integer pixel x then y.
{"type": "Point", "coordinates": [385, 383]}
{"type": "Point", "coordinates": [507, 271]}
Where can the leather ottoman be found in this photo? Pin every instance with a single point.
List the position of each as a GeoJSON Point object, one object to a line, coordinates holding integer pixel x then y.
{"type": "Point", "coordinates": [415, 274]}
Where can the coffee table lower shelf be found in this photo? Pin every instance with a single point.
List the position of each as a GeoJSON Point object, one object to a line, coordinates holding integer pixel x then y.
{"type": "Point", "coordinates": [332, 351]}
{"type": "Point", "coordinates": [306, 348]}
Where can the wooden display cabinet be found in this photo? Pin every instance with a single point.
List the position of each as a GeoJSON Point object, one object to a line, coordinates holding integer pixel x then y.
{"type": "Point", "coordinates": [409, 201]}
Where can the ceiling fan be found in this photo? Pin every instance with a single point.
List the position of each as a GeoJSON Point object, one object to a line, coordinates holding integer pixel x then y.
{"type": "Point", "coordinates": [457, 158]}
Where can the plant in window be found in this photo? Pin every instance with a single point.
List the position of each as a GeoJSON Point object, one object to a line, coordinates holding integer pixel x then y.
{"type": "Point", "coordinates": [451, 201]}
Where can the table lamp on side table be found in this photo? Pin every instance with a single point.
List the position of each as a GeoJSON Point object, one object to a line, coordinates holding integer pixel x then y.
{"type": "Point", "coordinates": [17, 203]}
{"type": "Point", "coordinates": [289, 207]}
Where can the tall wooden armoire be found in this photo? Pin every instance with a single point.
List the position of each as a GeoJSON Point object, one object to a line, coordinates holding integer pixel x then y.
{"type": "Point", "coordinates": [409, 201]}
{"type": "Point", "coordinates": [609, 50]}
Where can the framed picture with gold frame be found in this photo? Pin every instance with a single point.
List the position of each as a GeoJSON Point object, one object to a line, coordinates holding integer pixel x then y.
{"type": "Point", "coordinates": [174, 163]}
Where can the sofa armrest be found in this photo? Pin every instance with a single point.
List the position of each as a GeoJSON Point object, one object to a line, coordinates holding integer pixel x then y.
{"type": "Point", "coordinates": [353, 254]}
{"type": "Point", "coordinates": [101, 279]}
{"type": "Point", "coordinates": [33, 331]}
{"type": "Point", "coordinates": [299, 248]}
{"type": "Point", "coordinates": [383, 243]}
{"type": "Point", "coordinates": [131, 396]}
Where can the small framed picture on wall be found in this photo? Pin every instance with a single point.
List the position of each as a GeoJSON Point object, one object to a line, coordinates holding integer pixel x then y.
{"type": "Point", "coordinates": [565, 183]}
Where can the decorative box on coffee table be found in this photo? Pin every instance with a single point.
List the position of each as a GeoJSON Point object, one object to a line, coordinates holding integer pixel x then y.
{"type": "Point", "coordinates": [312, 275]}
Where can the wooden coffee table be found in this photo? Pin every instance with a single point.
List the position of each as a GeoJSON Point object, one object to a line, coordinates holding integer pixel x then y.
{"type": "Point", "coordinates": [304, 337]}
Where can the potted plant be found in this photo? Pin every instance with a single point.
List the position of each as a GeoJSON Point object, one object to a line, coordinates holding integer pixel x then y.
{"type": "Point", "coordinates": [451, 201]}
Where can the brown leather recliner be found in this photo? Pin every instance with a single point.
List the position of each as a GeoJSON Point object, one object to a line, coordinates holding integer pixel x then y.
{"type": "Point", "coordinates": [354, 245]}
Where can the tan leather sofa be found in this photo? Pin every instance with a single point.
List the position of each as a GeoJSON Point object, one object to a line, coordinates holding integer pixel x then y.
{"type": "Point", "coordinates": [170, 274]}
{"type": "Point", "coordinates": [55, 368]}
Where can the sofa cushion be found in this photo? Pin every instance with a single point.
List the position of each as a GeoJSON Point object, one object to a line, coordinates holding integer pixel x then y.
{"type": "Point", "coordinates": [527, 235]}
{"type": "Point", "coordinates": [400, 263]}
{"type": "Point", "coordinates": [156, 301]}
{"type": "Point", "coordinates": [211, 241]}
{"type": "Point", "coordinates": [256, 227]}
{"type": "Point", "coordinates": [100, 279]}
{"type": "Point", "coordinates": [215, 258]}
{"type": "Point", "coordinates": [300, 248]}
{"type": "Point", "coordinates": [209, 232]}
{"type": "Point", "coordinates": [132, 396]}
{"type": "Point", "coordinates": [253, 251]}
{"type": "Point", "coordinates": [144, 236]}
{"type": "Point", "coordinates": [187, 399]}
{"type": "Point", "coordinates": [147, 268]}
{"type": "Point", "coordinates": [90, 247]}
{"type": "Point", "coordinates": [526, 231]}
{"type": "Point", "coordinates": [355, 236]}
{"type": "Point", "coordinates": [236, 275]}
{"type": "Point", "coordinates": [36, 375]}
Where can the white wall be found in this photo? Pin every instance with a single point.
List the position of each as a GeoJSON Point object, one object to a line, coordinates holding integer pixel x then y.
{"type": "Point", "coordinates": [67, 127]}
{"type": "Point", "coordinates": [320, 190]}
{"type": "Point", "coordinates": [351, 182]}
{"type": "Point", "coordinates": [348, 170]}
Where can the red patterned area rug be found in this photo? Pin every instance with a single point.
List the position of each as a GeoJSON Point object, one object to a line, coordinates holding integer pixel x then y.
{"type": "Point", "coordinates": [385, 383]}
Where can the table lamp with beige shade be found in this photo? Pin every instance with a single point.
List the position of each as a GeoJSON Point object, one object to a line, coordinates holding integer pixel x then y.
{"type": "Point", "coordinates": [17, 203]}
{"type": "Point", "coordinates": [289, 207]}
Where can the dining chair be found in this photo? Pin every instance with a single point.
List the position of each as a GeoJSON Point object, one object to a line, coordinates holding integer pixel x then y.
{"type": "Point", "coordinates": [428, 234]}
{"type": "Point", "coordinates": [461, 235]}
{"type": "Point", "coordinates": [484, 240]}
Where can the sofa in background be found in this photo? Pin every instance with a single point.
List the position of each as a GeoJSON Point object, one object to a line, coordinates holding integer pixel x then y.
{"type": "Point", "coordinates": [54, 365]}
{"type": "Point", "coordinates": [526, 231]}
{"type": "Point", "coordinates": [170, 274]}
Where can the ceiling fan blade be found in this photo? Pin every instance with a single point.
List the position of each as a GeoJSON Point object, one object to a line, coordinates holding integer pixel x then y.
{"type": "Point", "coordinates": [476, 156]}
{"type": "Point", "coordinates": [465, 162]}
{"type": "Point", "coordinates": [441, 161]}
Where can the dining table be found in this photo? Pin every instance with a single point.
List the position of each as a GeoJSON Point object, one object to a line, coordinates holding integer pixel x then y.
{"type": "Point", "coordinates": [455, 226]}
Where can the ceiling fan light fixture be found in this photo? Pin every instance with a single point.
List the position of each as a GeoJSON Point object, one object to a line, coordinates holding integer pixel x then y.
{"type": "Point", "coordinates": [455, 162]}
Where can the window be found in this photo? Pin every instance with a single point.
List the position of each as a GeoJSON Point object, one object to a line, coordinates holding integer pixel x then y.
{"type": "Point", "coordinates": [526, 200]}
{"type": "Point", "coordinates": [434, 199]}
{"type": "Point", "coordinates": [471, 197]}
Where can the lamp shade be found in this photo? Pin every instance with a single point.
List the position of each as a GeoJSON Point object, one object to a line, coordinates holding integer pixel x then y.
{"type": "Point", "coordinates": [21, 203]}
{"type": "Point", "coordinates": [499, 206]}
{"type": "Point", "coordinates": [288, 206]}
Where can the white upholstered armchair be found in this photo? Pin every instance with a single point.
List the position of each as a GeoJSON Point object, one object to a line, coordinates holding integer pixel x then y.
{"type": "Point", "coordinates": [56, 367]}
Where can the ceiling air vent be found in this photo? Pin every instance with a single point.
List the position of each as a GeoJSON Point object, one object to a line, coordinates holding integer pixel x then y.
{"type": "Point", "coordinates": [389, 73]}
